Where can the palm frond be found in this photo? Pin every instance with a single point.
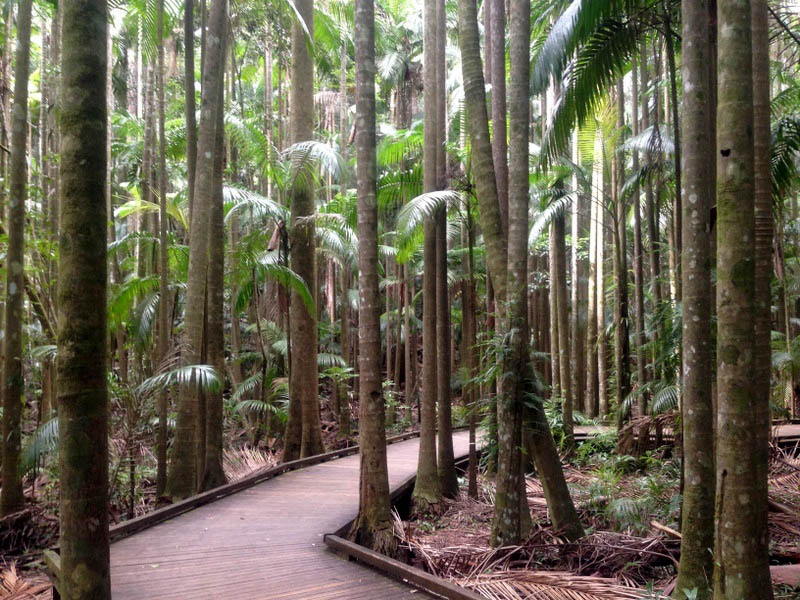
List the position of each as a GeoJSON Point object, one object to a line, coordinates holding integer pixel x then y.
{"type": "Point", "coordinates": [203, 376]}
{"type": "Point", "coordinates": [424, 205]}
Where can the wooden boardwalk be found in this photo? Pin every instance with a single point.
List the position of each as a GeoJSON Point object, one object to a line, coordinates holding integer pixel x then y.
{"type": "Point", "coordinates": [265, 541]}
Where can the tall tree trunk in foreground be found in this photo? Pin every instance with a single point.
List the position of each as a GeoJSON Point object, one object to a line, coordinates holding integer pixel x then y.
{"type": "Point", "coordinates": [448, 479]}
{"type": "Point", "coordinates": [543, 447]}
{"type": "Point", "coordinates": [764, 226]}
{"type": "Point", "coordinates": [183, 476]}
{"type": "Point", "coordinates": [590, 400]}
{"type": "Point", "coordinates": [83, 325]}
{"type": "Point", "coordinates": [741, 551]}
{"type": "Point", "coordinates": [697, 527]}
{"type": "Point", "coordinates": [496, 56]}
{"type": "Point", "coordinates": [11, 496]}
{"type": "Point", "coordinates": [212, 474]}
{"type": "Point", "coordinates": [373, 526]}
{"type": "Point", "coordinates": [164, 324]}
{"type": "Point", "coordinates": [509, 523]}
{"type": "Point", "coordinates": [427, 490]}
{"type": "Point", "coordinates": [303, 385]}
{"type": "Point", "coordinates": [576, 340]}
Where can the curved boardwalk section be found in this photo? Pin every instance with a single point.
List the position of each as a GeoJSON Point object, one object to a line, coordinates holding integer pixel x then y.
{"type": "Point", "coordinates": [265, 541]}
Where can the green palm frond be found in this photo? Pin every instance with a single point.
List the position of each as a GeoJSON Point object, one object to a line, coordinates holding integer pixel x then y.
{"type": "Point", "coordinates": [558, 205]}
{"type": "Point", "coordinates": [46, 352]}
{"type": "Point", "coordinates": [240, 200]}
{"type": "Point", "coordinates": [424, 205]}
{"type": "Point", "coordinates": [785, 149]}
{"type": "Point", "coordinates": [599, 62]}
{"type": "Point", "coordinates": [203, 376]}
{"type": "Point", "coordinates": [43, 442]}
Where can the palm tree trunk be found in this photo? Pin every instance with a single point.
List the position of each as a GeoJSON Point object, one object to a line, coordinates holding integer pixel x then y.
{"type": "Point", "coordinates": [696, 563]}
{"type": "Point", "coordinates": [191, 108]}
{"type": "Point", "coordinates": [602, 362]}
{"type": "Point", "coordinates": [638, 266]}
{"type": "Point", "coordinates": [82, 288]}
{"type": "Point", "coordinates": [590, 400]}
{"type": "Point", "coordinates": [213, 475]}
{"type": "Point", "coordinates": [622, 347]}
{"type": "Point", "coordinates": [373, 526]}
{"type": "Point", "coordinates": [555, 338]}
{"type": "Point", "coordinates": [303, 385]}
{"type": "Point", "coordinates": [183, 476]}
{"type": "Point", "coordinates": [164, 325]}
{"type": "Point", "coordinates": [559, 229]}
{"type": "Point", "coordinates": [427, 490]}
{"type": "Point", "coordinates": [496, 55]}
{"type": "Point", "coordinates": [11, 495]}
{"type": "Point", "coordinates": [741, 552]}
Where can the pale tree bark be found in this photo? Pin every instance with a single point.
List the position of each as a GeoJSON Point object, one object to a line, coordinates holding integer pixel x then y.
{"type": "Point", "coordinates": [696, 563]}
{"type": "Point", "coordinates": [741, 553]}
{"type": "Point", "coordinates": [576, 348]}
{"type": "Point", "coordinates": [82, 287]}
{"type": "Point", "coordinates": [303, 384]}
{"type": "Point", "coordinates": [427, 490]}
{"type": "Point", "coordinates": [590, 400]}
{"type": "Point", "coordinates": [11, 495]}
{"type": "Point", "coordinates": [555, 338]}
{"type": "Point", "coordinates": [188, 448]}
{"type": "Point", "coordinates": [373, 527]}
{"type": "Point", "coordinates": [602, 369]}
{"type": "Point", "coordinates": [562, 315]}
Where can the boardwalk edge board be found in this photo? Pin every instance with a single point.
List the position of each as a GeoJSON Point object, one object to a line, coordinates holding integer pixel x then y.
{"type": "Point", "coordinates": [408, 574]}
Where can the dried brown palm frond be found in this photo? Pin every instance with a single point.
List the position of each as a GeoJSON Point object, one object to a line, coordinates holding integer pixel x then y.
{"type": "Point", "coordinates": [240, 462]}
{"type": "Point", "coordinates": [15, 587]}
{"type": "Point", "coordinates": [550, 585]}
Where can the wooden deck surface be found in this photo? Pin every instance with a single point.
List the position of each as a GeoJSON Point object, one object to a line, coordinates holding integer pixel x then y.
{"type": "Point", "coordinates": [265, 541]}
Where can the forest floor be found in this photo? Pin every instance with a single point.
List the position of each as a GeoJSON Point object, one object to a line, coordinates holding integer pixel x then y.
{"type": "Point", "coordinates": [630, 508]}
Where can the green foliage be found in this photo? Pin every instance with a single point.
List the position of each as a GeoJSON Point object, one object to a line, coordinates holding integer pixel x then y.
{"type": "Point", "coordinates": [42, 443]}
{"type": "Point", "coordinates": [205, 377]}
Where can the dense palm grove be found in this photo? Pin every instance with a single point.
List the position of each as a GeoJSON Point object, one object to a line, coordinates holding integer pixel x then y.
{"type": "Point", "coordinates": [238, 232]}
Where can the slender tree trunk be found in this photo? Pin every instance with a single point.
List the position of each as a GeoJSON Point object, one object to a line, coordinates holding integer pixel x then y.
{"type": "Point", "coordinates": [408, 388]}
{"type": "Point", "coordinates": [191, 108]}
{"type": "Point", "coordinates": [82, 287]}
{"type": "Point", "coordinates": [697, 527]}
{"type": "Point", "coordinates": [590, 400]}
{"type": "Point", "coordinates": [427, 490]}
{"type": "Point", "coordinates": [448, 479]}
{"type": "Point", "coordinates": [496, 54]}
{"type": "Point", "coordinates": [577, 340]}
{"type": "Point", "coordinates": [555, 338]}
{"type": "Point", "coordinates": [303, 385]}
{"type": "Point", "coordinates": [164, 325]}
{"type": "Point", "coordinates": [741, 552]}
{"type": "Point", "coordinates": [602, 359]}
{"type": "Point", "coordinates": [638, 264]}
{"type": "Point", "coordinates": [11, 495]}
{"type": "Point", "coordinates": [190, 424]}
{"type": "Point", "coordinates": [563, 317]}
{"type": "Point", "coordinates": [373, 526]}
{"type": "Point", "coordinates": [622, 349]}
{"type": "Point", "coordinates": [212, 474]}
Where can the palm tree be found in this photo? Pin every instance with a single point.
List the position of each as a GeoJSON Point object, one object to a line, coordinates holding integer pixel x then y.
{"type": "Point", "coordinates": [373, 526]}
{"type": "Point", "coordinates": [11, 496]}
{"type": "Point", "coordinates": [303, 430]}
{"type": "Point", "coordinates": [427, 490]}
{"type": "Point", "coordinates": [188, 451]}
{"type": "Point", "coordinates": [82, 285]}
{"type": "Point", "coordinates": [696, 564]}
{"type": "Point", "coordinates": [742, 546]}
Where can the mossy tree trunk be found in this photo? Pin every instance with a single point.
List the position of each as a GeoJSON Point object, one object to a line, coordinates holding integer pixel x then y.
{"type": "Point", "coordinates": [82, 288]}
{"type": "Point", "coordinates": [373, 526]}
{"type": "Point", "coordinates": [742, 541]}
{"type": "Point", "coordinates": [188, 450]}
{"type": "Point", "coordinates": [11, 495]}
{"type": "Point", "coordinates": [640, 407]}
{"type": "Point", "coordinates": [696, 563]}
{"type": "Point", "coordinates": [303, 379]}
